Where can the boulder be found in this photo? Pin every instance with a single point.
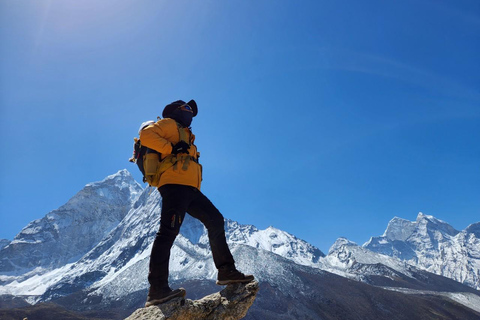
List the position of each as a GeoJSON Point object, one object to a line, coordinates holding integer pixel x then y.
{"type": "Point", "coordinates": [231, 303]}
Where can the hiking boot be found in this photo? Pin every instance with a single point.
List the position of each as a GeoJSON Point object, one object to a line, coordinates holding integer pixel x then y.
{"type": "Point", "coordinates": [229, 275]}
{"type": "Point", "coordinates": [162, 295]}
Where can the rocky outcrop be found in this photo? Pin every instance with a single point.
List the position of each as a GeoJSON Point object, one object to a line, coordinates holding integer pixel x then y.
{"type": "Point", "coordinates": [231, 303]}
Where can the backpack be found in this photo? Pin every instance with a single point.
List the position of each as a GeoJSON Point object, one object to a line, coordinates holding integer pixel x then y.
{"type": "Point", "coordinates": [149, 161]}
{"type": "Point", "coordinates": [139, 153]}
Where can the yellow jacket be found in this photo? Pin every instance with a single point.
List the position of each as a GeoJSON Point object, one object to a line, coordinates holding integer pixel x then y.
{"type": "Point", "coordinates": [160, 136]}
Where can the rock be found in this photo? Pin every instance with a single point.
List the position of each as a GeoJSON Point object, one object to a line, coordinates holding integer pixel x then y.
{"type": "Point", "coordinates": [231, 303]}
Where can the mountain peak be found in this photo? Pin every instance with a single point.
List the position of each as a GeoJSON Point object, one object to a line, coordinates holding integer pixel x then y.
{"type": "Point", "coordinates": [399, 229]}
{"type": "Point", "coordinates": [122, 177]}
{"type": "Point", "coordinates": [122, 180]}
{"type": "Point", "coordinates": [433, 245]}
{"type": "Point", "coordinates": [430, 223]}
{"type": "Point", "coordinates": [474, 228]}
{"type": "Point", "coordinates": [339, 243]}
{"type": "Point", "coordinates": [421, 216]}
{"type": "Point", "coordinates": [73, 229]}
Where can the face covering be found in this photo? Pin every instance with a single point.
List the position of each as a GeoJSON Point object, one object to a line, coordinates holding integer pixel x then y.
{"type": "Point", "coordinates": [182, 117]}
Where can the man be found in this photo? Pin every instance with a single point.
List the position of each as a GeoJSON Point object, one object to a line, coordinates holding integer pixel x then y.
{"type": "Point", "coordinates": [180, 190]}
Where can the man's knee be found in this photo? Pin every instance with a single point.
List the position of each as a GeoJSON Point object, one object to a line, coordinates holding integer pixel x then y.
{"type": "Point", "coordinates": [166, 237]}
{"type": "Point", "coordinates": [171, 222]}
{"type": "Point", "coordinates": [168, 231]}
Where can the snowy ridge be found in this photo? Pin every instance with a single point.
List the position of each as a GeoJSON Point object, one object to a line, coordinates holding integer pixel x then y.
{"type": "Point", "coordinates": [276, 241]}
{"type": "Point", "coordinates": [399, 229]}
{"type": "Point", "coordinates": [348, 259]}
{"type": "Point", "coordinates": [121, 180]}
{"type": "Point", "coordinates": [433, 245]}
{"type": "Point", "coordinates": [469, 300]}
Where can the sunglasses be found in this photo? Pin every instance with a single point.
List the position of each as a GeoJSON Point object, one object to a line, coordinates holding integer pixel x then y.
{"type": "Point", "coordinates": [186, 107]}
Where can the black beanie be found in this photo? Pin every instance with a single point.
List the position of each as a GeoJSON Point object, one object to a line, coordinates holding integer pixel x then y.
{"type": "Point", "coordinates": [169, 108]}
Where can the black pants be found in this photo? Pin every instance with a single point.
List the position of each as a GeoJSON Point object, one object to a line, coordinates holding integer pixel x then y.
{"type": "Point", "coordinates": [176, 200]}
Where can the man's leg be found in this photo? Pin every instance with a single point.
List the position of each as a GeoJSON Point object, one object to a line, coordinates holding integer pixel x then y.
{"type": "Point", "coordinates": [174, 204]}
{"type": "Point", "coordinates": [204, 210]}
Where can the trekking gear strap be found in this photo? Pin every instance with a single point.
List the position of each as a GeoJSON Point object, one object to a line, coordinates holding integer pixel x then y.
{"type": "Point", "coordinates": [183, 135]}
{"type": "Point", "coordinates": [185, 158]}
{"type": "Point", "coordinates": [186, 162]}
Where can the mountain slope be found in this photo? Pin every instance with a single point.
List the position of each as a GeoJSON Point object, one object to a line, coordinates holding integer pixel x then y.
{"type": "Point", "coordinates": [433, 245]}
{"type": "Point", "coordinates": [350, 260]}
{"type": "Point", "coordinates": [287, 291]}
{"type": "Point", "coordinates": [270, 239]}
{"type": "Point", "coordinates": [4, 243]}
{"type": "Point", "coordinates": [67, 233]}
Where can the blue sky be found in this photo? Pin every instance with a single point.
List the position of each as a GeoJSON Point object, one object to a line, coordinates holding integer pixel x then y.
{"type": "Point", "coordinates": [321, 118]}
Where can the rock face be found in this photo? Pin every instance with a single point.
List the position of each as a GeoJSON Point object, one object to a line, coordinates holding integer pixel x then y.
{"type": "Point", "coordinates": [231, 303]}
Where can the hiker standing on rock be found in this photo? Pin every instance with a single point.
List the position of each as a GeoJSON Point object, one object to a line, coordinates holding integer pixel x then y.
{"type": "Point", "coordinates": [179, 186]}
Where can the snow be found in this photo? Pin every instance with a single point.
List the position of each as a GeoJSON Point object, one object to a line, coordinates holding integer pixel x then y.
{"type": "Point", "coordinates": [276, 241]}
{"type": "Point", "coordinates": [113, 273]}
{"type": "Point", "coordinates": [37, 284]}
{"type": "Point", "coordinates": [469, 300]}
{"type": "Point", "coordinates": [344, 255]}
{"type": "Point", "coordinates": [122, 180]}
{"type": "Point", "coordinates": [399, 229]}
{"type": "Point", "coordinates": [21, 241]}
{"type": "Point", "coordinates": [102, 239]}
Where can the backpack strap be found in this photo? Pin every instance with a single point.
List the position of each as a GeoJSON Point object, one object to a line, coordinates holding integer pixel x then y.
{"type": "Point", "coordinates": [185, 158]}
{"type": "Point", "coordinates": [186, 162]}
{"type": "Point", "coordinates": [183, 135]}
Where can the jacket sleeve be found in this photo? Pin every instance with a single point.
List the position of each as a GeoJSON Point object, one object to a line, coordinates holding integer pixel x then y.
{"type": "Point", "coordinates": [153, 137]}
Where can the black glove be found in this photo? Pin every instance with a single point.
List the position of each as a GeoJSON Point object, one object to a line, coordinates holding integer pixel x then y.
{"type": "Point", "coordinates": [181, 147]}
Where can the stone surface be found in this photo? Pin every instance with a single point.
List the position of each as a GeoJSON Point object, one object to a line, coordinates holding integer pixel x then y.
{"type": "Point", "coordinates": [231, 303]}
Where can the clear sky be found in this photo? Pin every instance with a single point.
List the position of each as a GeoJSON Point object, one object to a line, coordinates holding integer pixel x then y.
{"type": "Point", "coordinates": [321, 118]}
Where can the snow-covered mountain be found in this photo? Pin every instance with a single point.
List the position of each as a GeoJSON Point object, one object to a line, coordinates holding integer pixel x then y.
{"type": "Point", "coordinates": [116, 222]}
{"type": "Point", "coordinates": [348, 259]}
{"type": "Point", "coordinates": [433, 245]}
{"type": "Point", "coordinates": [96, 248]}
{"type": "Point", "coordinates": [66, 234]}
